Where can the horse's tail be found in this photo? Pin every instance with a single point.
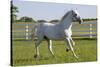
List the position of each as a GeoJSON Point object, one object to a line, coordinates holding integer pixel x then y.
{"type": "Point", "coordinates": [34, 33]}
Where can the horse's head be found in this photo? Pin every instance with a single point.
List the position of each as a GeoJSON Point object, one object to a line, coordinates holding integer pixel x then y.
{"type": "Point", "coordinates": [76, 16]}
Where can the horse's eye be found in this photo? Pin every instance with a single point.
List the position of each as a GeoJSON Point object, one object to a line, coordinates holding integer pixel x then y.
{"type": "Point", "coordinates": [75, 14]}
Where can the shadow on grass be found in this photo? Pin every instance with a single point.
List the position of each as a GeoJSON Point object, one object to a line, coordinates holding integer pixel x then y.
{"type": "Point", "coordinates": [85, 38]}
{"type": "Point", "coordinates": [73, 39]}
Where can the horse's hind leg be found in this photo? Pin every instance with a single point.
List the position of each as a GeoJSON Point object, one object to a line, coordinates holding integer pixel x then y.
{"type": "Point", "coordinates": [37, 43]}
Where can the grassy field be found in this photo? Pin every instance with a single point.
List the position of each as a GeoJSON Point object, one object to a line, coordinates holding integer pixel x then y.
{"type": "Point", "coordinates": [23, 52]}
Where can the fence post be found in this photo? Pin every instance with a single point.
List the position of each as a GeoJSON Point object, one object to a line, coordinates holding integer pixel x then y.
{"type": "Point", "coordinates": [91, 31]}
{"type": "Point", "coordinates": [27, 32]}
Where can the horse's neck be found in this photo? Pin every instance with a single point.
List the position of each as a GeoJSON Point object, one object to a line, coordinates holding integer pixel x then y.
{"type": "Point", "coordinates": [67, 23]}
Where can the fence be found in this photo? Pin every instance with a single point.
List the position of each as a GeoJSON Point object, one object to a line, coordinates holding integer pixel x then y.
{"type": "Point", "coordinates": [86, 30]}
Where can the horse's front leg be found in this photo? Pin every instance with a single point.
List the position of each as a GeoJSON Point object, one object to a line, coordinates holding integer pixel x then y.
{"type": "Point", "coordinates": [71, 47]}
{"type": "Point", "coordinates": [50, 47]}
{"type": "Point", "coordinates": [73, 43]}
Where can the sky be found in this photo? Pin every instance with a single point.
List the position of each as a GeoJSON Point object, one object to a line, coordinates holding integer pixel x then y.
{"type": "Point", "coordinates": [49, 11]}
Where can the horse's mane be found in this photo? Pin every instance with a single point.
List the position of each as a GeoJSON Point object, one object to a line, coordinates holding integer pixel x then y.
{"type": "Point", "coordinates": [65, 16]}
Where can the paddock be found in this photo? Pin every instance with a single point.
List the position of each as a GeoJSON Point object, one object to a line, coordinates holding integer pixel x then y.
{"type": "Point", "coordinates": [22, 30]}
{"type": "Point", "coordinates": [84, 35]}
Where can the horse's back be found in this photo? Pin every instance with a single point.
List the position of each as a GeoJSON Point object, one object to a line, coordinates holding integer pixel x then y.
{"type": "Point", "coordinates": [48, 24]}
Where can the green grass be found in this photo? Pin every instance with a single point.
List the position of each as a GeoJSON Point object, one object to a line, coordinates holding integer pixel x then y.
{"type": "Point", "coordinates": [23, 52]}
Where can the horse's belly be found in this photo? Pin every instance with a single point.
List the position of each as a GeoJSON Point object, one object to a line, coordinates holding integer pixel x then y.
{"type": "Point", "coordinates": [54, 35]}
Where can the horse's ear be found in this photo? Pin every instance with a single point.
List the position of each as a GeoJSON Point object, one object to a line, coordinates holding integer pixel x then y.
{"type": "Point", "coordinates": [71, 9]}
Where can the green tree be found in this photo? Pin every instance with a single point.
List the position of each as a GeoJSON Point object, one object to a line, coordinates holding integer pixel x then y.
{"type": "Point", "coordinates": [14, 10]}
{"type": "Point", "coordinates": [41, 21]}
{"type": "Point", "coordinates": [89, 19]}
{"type": "Point", "coordinates": [26, 19]}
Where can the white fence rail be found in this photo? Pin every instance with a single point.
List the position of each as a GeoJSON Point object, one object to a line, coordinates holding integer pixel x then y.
{"type": "Point", "coordinates": [23, 30]}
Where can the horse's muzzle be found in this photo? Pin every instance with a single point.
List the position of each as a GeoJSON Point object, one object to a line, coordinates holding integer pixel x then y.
{"type": "Point", "coordinates": [80, 21]}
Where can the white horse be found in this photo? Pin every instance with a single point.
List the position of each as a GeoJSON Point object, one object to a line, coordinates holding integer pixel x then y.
{"type": "Point", "coordinates": [59, 31]}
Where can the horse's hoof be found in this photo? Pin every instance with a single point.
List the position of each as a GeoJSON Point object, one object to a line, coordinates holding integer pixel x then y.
{"type": "Point", "coordinates": [35, 56]}
{"type": "Point", "coordinates": [67, 50]}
